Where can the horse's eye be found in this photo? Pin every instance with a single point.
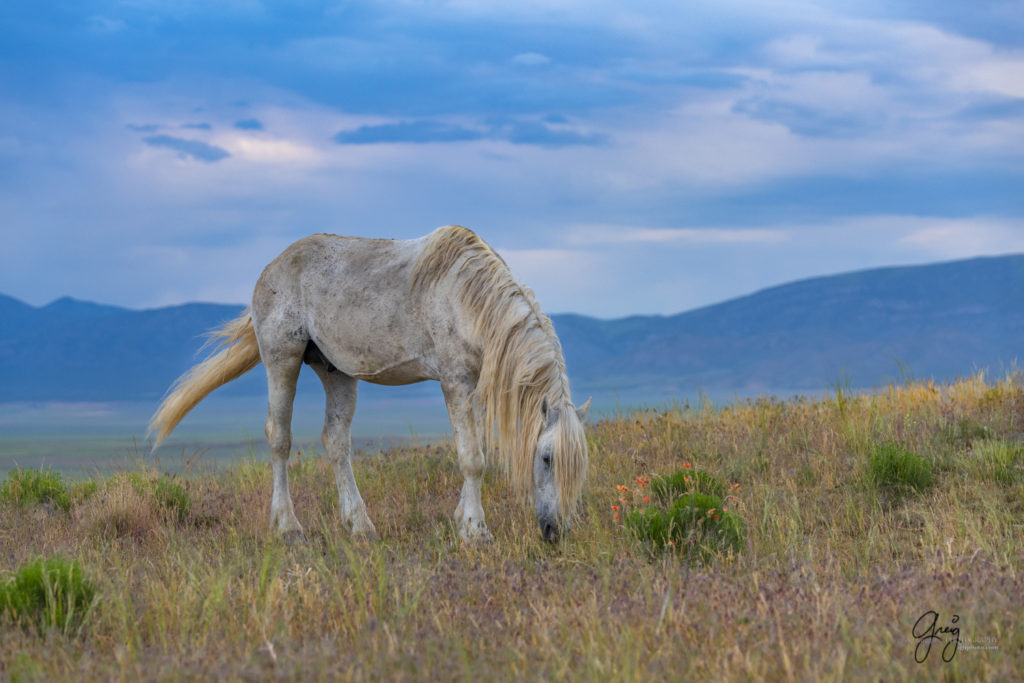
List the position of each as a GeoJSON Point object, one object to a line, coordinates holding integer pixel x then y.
{"type": "Point", "coordinates": [547, 461]}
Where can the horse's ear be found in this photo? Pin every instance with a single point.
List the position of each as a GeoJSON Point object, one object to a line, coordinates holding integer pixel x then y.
{"type": "Point", "coordinates": [582, 410]}
{"type": "Point", "coordinates": [549, 414]}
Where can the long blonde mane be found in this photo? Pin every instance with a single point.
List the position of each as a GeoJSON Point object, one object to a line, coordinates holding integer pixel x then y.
{"type": "Point", "coordinates": [522, 362]}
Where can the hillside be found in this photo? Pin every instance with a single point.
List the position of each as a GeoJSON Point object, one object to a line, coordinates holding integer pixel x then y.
{"type": "Point", "coordinates": [942, 320]}
{"type": "Point", "coordinates": [936, 321]}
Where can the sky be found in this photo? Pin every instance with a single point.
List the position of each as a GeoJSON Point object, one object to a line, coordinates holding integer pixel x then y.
{"type": "Point", "coordinates": [624, 157]}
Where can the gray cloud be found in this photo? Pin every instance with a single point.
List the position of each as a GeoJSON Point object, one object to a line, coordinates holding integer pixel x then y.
{"type": "Point", "coordinates": [189, 149]}
{"type": "Point", "coordinates": [424, 131]}
{"type": "Point", "coordinates": [249, 124]}
{"type": "Point", "coordinates": [408, 132]}
{"type": "Point", "coordinates": [542, 135]}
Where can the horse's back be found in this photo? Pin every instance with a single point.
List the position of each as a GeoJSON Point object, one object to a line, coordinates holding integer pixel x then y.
{"type": "Point", "coordinates": [351, 296]}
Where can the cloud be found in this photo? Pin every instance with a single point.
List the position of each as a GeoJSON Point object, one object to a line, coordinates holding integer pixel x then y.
{"type": "Point", "coordinates": [961, 238]}
{"type": "Point", "coordinates": [273, 151]}
{"type": "Point", "coordinates": [189, 149]}
{"type": "Point", "coordinates": [249, 124]}
{"type": "Point", "coordinates": [417, 132]}
{"type": "Point", "coordinates": [543, 135]}
{"type": "Point", "coordinates": [708, 148]}
{"type": "Point", "coordinates": [651, 236]}
{"type": "Point", "coordinates": [560, 277]}
{"type": "Point", "coordinates": [531, 59]}
{"type": "Point", "coordinates": [550, 133]}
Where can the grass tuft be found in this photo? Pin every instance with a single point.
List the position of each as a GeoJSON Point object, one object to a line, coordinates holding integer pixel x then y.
{"type": "Point", "coordinates": [895, 470]}
{"type": "Point", "coordinates": [49, 593]}
{"type": "Point", "coordinates": [1000, 461]}
{"type": "Point", "coordinates": [685, 481]}
{"type": "Point", "coordinates": [36, 487]}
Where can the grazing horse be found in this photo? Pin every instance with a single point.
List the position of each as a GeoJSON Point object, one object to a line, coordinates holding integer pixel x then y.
{"type": "Point", "coordinates": [443, 307]}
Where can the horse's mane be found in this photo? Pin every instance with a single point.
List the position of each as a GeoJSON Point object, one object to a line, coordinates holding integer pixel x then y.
{"type": "Point", "coordinates": [522, 362]}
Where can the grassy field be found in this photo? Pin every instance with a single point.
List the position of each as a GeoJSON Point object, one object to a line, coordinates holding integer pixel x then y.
{"type": "Point", "coordinates": [864, 513]}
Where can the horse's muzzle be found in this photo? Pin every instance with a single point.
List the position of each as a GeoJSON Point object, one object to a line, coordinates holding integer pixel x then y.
{"type": "Point", "coordinates": [550, 529]}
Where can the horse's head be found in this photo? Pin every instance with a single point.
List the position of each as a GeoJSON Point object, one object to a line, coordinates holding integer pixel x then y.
{"type": "Point", "coordinates": [559, 467]}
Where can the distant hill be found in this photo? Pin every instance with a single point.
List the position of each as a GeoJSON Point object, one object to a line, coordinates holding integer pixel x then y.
{"type": "Point", "coordinates": [940, 321]}
{"type": "Point", "coordinates": [870, 327]}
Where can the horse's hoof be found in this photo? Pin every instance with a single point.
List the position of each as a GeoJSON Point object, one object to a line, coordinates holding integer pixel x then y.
{"type": "Point", "coordinates": [477, 536]}
{"type": "Point", "coordinates": [367, 536]}
{"type": "Point", "coordinates": [294, 537]}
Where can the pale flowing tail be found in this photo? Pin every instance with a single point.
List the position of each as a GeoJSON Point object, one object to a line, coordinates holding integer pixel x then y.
{"type": "Point", "coordinates": [238, 354]}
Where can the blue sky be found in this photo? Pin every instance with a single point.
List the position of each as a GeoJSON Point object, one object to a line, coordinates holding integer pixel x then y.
{"type": "Point", "coordinates": [641, 157]}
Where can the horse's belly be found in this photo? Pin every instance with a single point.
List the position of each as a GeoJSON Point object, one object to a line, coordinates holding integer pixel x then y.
{"type": "Point", "coordinates": [406, 372]}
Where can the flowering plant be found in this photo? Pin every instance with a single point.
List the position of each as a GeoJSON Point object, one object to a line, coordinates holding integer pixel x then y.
{"type": "Point", "coordinates": [690, 512]}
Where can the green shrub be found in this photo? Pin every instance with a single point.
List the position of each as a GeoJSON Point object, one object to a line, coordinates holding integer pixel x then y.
{"type": "Point", "coordinates": [894, 469]}
{"type": "Point", "coordinates": [35, 487]}
{"type": "Point", "coordinates": [668, 488]}
{"type": "Point", "coordinates": [48, 593]}
{"type": "Point", "coordinates": [687, 515]}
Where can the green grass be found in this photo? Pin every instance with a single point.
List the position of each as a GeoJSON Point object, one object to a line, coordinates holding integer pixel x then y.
{"type": "Point", "coordinates": [51, 593]}
{"type": "Point", "coordinates": [896, 470]}
{"type": "Point", "coordinates": [33, 487]}
{"type": "Point", "coordinates": [826, 584]}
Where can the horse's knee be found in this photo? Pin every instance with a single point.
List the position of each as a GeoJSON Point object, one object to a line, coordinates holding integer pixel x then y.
{"type": "Point", "coordinates": [279, 439]}
{"type": "Point", "coordinates": [337, 442]}
{"type": "Point", "coordinates": [472, 464]}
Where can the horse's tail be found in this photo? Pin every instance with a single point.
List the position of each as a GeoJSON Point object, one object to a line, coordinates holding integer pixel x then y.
{"type": "Point", "coordinates": [238, 354]}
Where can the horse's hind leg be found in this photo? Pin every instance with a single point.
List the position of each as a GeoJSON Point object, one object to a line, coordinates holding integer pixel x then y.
{"type": "Point", "coordinates": [342, 391]}
{"type": "Point", "coordinates": [282, 374]}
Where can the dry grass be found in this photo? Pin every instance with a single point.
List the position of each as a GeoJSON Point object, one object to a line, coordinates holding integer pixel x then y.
{"type": "Point", "coordinates": [834, 575]}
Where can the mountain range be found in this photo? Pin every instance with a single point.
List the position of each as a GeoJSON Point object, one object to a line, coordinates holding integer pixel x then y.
{"type": "Point", "coordinates": [863, 329]}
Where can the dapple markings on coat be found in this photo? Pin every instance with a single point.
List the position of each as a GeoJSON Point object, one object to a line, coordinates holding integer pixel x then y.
{"type": "Point", "coordinates": [443, 307]}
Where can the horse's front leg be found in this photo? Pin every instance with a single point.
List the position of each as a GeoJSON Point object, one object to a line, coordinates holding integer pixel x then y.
{"type": "Point", "coordinates": [469, 515]}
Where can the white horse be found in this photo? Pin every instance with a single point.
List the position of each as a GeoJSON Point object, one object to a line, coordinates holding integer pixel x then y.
{"type": "Point", "coordinates": [443, 307]}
